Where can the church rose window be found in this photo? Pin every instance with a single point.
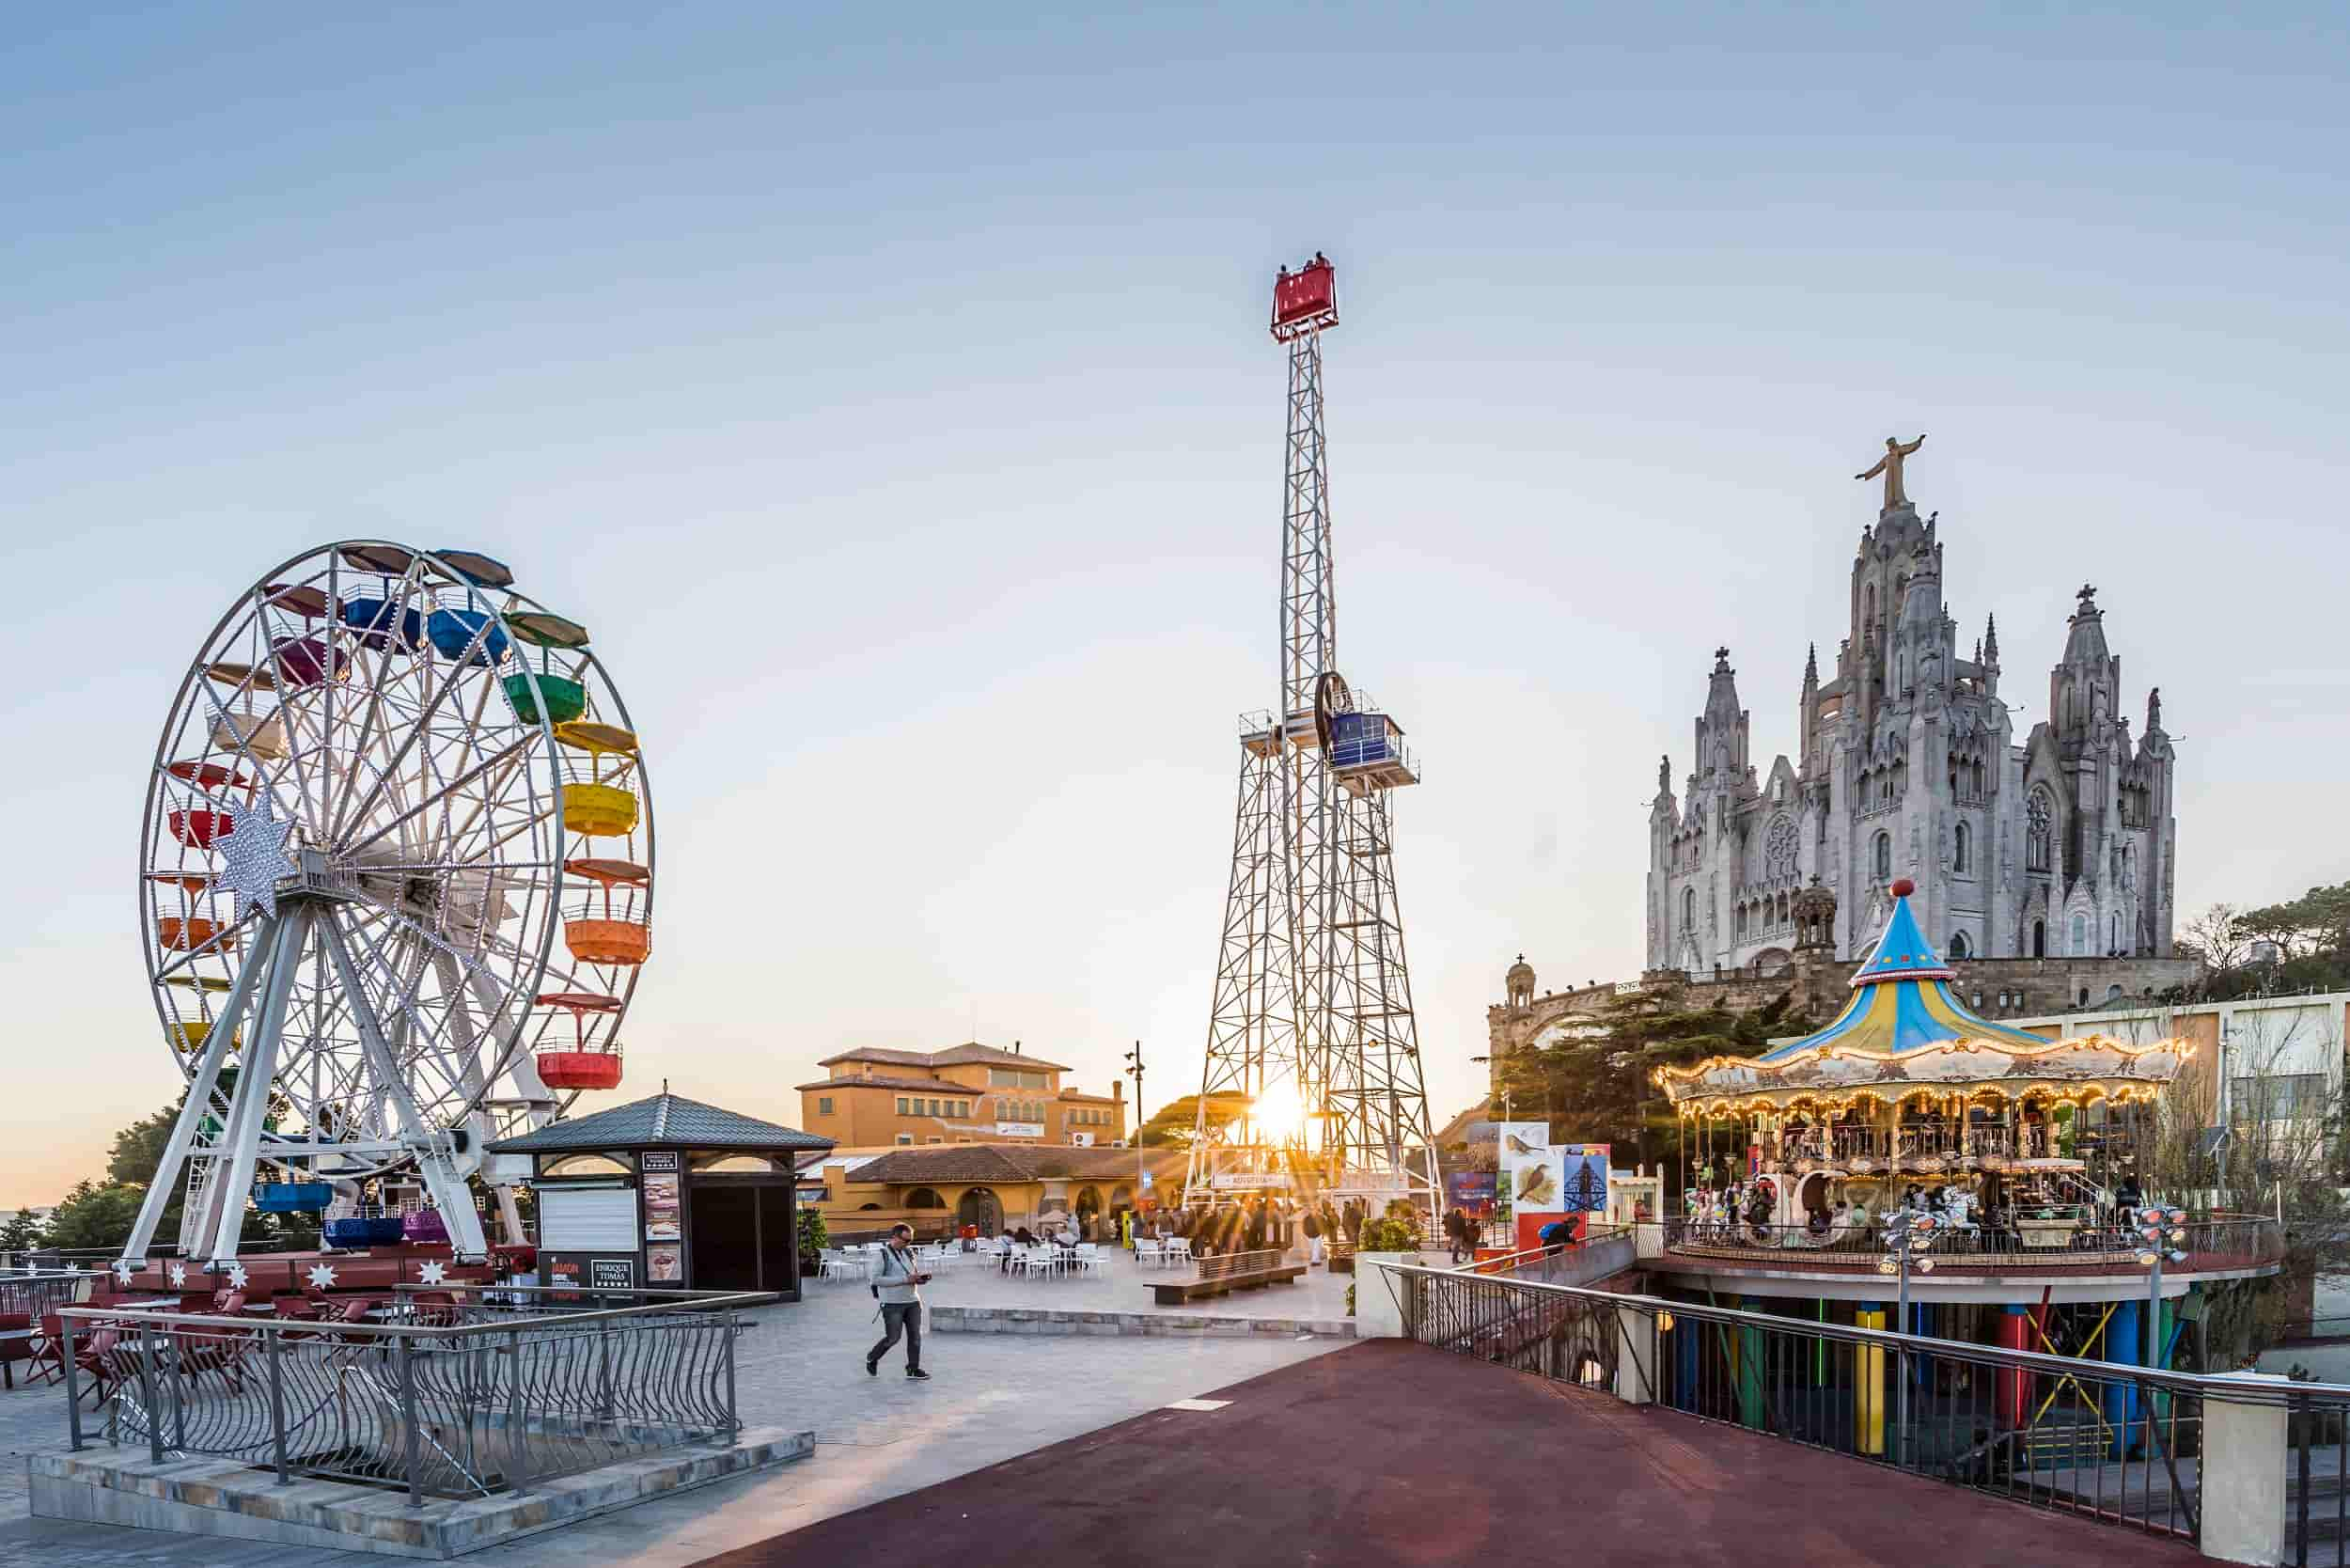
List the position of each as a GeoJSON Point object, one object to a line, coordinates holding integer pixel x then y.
{"type": "Point", "coordinates": [1778, 850]}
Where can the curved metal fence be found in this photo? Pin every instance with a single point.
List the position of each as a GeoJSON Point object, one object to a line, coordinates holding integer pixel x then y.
{"type": "Point", "coordinates": [442, 1396]}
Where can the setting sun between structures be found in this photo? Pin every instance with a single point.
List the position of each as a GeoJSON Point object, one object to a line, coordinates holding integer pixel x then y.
{"type": "Point", "coordinates": [1276, 1115]}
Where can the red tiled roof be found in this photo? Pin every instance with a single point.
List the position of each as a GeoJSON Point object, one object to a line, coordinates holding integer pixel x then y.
{"type": "Point", "coordinates": [928, 1085]}
{"type": "Point", "coordinates": [954, 1055]}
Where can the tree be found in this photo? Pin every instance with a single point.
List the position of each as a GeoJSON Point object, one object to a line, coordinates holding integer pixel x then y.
{"type": "Point", "coordinates": [138, 1149]}
{"type": "Point", "coordinates": [2316, 922]}
{"type": "Point", "coordinates": [1599, 1089]}
{"type": "Point", "coordinates": [2217, 938]}
{"type": "Point", "coordinates": [93, 1219]}
{"type": "Point", "coordinates": [1176, 1123]}
{"type": "Point", "coordinates": [22, 1233]}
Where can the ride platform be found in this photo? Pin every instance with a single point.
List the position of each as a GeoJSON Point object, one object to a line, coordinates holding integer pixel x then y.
{"type": "Point", "coordinates": [321, 1273]}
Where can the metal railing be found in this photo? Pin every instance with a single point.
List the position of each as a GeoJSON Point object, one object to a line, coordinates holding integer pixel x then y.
{"type": "Point", "coordinates": [2118, 1444]}
{"type": "Point", "coordinates": [2086, 1438]}
{"type": "Point", "coordinates": [449, 1396]}
{"type": "Point", "coordinates": [36, 1292]}
{"type": "Point", "coordinates": [2212, 1242]}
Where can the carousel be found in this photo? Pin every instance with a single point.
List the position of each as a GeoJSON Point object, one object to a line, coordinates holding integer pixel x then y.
{"type": "Point", "coordinates": [1909, 1103]}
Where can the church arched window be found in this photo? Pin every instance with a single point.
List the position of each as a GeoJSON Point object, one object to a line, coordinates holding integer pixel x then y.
{"type": "Point", "coordinates": [1958, 945]}
{"type": "Point", "coordinates": [2040, 939]}
{"type": "Point", "coordinates": [1962, 849]}
{"type": "Point", "coordinates": [1884, 858]}
{"type": "Point", "coordinates": [1688, 911]}
{"type": "Point", "coordinates": [2039, 832]}
{"type": "Point", "coordinates": [2081, 936]}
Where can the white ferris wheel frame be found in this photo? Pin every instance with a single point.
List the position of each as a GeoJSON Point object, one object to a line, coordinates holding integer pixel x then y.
{"type": "Point", "coordinates": [382, 1079]}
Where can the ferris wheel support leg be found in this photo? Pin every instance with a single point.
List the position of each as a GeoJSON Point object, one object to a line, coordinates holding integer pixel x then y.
{"type": "Point", "coordinates": [434, 1154]}
{"type": "Point", "coordinates": [221, 1220]}
{"type": "Point", "coordinates": [199, 1098]}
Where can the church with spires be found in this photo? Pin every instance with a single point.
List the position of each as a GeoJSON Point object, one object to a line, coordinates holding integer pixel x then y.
{"type": "Point", "coordinates": [2054, 844]}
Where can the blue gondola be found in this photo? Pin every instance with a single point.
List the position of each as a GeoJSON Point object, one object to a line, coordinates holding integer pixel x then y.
{"type": "Point", "coordinates": [290, 1197]}
{"type": "Point", "coordinates": [379, 624]}
{"type": "Point", "coordinates": [354, 1232]}
{"type": "Point", "coordinates": [453, 631]}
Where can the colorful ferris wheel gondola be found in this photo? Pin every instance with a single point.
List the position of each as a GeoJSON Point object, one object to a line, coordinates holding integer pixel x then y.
{"type": "Point", "coordinates": [358, 882]}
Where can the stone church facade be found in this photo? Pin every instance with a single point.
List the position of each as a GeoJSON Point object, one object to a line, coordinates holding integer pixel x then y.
{"type": "Point", "coordinates": [2055, 845]}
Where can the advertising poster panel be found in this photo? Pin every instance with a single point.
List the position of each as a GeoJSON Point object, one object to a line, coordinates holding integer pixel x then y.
{"type": "Point", "coordinates": [1472, 1192]}
{"type": "Point", "coordinates": [1583, 1179]}
{"type": "Point", "coordinates": [1529, 1167]}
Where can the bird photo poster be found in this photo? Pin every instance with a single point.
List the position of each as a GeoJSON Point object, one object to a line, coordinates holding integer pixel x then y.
{"type": "Point", "coordinates": [1530, 1173]}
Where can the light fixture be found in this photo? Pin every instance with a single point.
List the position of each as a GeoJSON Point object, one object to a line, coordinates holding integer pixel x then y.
{"type": "Point", "coordinates": [2145, 1259]}
{"type": "Point", "coordinates": [1663, 1323]}
{"type": "Point", "coordinates": [1887, 1265]}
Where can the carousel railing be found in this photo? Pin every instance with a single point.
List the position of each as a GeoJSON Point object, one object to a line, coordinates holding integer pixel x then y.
{"type": "Point", "coordinates": [434, 1393]}
{"type": "Point", "coordinates": [2212, 1242]}
{"type": "Point", "coordinates": [1838, 1145]}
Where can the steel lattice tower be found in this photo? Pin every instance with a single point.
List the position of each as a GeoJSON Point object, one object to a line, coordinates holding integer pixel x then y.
{"type": "Point", "coordinates": [1312, 992]}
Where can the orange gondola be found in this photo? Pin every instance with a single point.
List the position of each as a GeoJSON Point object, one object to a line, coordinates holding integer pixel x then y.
{"type": "Point", "coordinates": [183, 933]}
{"type": "Point", "coordinates": [608, 931]}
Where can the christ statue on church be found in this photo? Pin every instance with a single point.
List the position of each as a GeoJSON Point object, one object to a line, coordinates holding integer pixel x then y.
{"type": "Point", "coordinates": [1890, 466]}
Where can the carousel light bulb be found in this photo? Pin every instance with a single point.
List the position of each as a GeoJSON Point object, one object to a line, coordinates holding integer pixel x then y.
{"type": "Point", "coordinates": [2145, 1259]}
{"type": "Point", "coordinates": [1663, 1323]}
{"type": "Point", "coordinates": [2179, 1235]}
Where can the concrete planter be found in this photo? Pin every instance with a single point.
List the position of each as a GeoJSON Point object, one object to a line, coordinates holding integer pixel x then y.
{"type": "Point", "coordinates": [1378, 1313]}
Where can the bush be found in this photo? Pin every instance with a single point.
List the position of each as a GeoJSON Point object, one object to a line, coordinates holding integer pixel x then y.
{"type": "Point", "coordinates": [814, 1234]}
{"type": "Point", "coordinates": [1350, 1301]}
{"type": "Point", "coordinates": [1389, 1235]}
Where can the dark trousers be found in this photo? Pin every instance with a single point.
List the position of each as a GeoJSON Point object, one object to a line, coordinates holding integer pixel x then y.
{"type": "Point", "coordinates": [900, 1317]}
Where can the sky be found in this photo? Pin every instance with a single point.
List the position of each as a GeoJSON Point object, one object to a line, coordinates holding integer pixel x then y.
{"type": "Point", "coordinates": [888, 389]}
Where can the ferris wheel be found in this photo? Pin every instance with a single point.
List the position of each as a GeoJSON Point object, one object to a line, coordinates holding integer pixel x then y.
{"type": "Point", "coordinates": [395, 891]}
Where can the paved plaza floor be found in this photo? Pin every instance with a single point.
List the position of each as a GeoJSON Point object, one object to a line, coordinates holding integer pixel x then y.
{"type": "Point", "coordinates": [1386, 1453]}
{"type": "Point", "coordinates": [993, 1397]}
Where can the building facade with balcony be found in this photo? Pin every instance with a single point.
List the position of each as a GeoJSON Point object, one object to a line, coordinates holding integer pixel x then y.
{"type": "Point", "coordinates": [968, 1093]}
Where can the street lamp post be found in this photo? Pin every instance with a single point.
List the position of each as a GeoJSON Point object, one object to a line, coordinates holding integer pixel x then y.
{"type": "Point", "coordinates": [2159, 1230]}
{"type": "Point", "coordinates": [1505, 1088]}
{"type": "Point", "coordinates": [1907, 1234]}
{"type": "Point", "coordinates": [1133, 1070]}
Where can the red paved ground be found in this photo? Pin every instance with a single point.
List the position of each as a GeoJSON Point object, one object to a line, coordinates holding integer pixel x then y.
{"type": "Point", "coordinates": [1390, 1453]}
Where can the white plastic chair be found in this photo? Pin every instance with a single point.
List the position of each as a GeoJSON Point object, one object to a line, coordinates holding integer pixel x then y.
{"type": "Point", "coordinates": [1089, 1258]}
{"type": "Point", "coordinates": [1147, 1250]}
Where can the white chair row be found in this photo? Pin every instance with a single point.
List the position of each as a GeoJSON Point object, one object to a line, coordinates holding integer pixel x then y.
{"type": "Point", "coordinates": [1173, 1252]}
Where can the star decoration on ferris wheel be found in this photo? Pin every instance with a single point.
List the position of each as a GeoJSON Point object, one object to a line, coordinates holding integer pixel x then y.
{"type": "Point", "coordinates": [432, 1274]}
{"type": "Point", "coordinates": [123, 1270]}
{"type": "Point", "coordinates": [322, 1276]}
{"type": "Point", "coordinates": [178, 1275]}
{"type": "Point", "coordinates": [253, 856]}
{"type": "Point", "coordinates": [236, 1277]}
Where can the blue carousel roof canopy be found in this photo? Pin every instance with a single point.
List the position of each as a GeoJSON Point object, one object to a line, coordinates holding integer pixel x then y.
{"type": "Point", "coordinates": [1902, 1000]}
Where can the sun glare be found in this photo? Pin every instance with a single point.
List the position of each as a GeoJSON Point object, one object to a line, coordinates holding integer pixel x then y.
{"type": "Point", "coordinates": [1276, 1114]}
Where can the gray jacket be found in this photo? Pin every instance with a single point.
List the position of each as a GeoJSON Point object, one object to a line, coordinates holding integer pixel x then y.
{"type": "Point", "coordinates": [893, 1277]}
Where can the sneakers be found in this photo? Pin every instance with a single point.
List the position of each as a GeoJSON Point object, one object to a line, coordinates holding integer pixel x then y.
{"type": "Point", "coordinates": [918, 1372]}
{"type": "Point", "coordinates": [872, 1369]}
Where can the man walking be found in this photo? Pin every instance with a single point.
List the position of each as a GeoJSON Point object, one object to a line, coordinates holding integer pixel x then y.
{"type": "Point", "coordinates": [898, 1285]}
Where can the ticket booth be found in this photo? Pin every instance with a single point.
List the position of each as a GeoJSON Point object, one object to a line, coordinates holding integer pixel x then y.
{"type": "Point", "coordinates": [664, 1194]}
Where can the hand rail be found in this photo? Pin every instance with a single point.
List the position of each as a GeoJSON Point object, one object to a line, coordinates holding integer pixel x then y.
{"type": "Point", "coordinates": [2217, 1384]}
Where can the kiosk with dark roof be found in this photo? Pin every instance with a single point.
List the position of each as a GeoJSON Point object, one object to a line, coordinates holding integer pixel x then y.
{"type": "Point", "coordinates": [667, 1192]}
